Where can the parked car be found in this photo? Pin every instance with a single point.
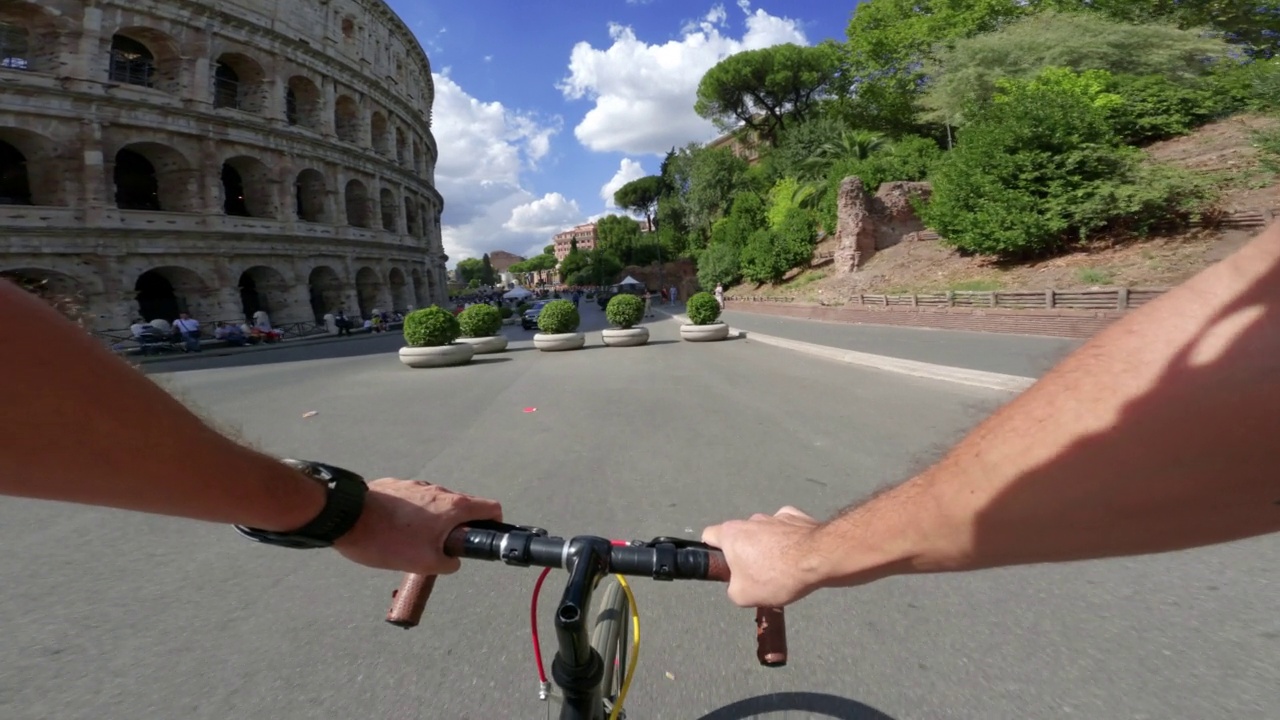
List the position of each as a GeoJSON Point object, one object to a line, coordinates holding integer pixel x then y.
{"type": "Point", "coordinates": [529, 320]}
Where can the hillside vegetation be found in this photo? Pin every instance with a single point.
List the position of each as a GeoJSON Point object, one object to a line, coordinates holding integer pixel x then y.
{"type": "Point", "coordinates": [1066, 143]}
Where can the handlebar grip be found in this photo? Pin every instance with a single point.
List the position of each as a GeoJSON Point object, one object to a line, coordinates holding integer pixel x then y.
{"type": "Point", "coordinates": [410, 600]}
{"type": "Point", "coordinates": [771, 623]}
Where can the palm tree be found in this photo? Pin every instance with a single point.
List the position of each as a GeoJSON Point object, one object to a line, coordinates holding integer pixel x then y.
{"type": "Point", "coordinates": [853, 144]}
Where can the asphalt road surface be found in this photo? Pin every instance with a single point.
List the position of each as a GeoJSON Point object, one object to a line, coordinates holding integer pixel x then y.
{"type": "Point", "coordinates": [108, 614]}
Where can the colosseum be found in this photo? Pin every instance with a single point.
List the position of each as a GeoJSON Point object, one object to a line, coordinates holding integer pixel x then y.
{"type": "Point", "coordinates": [218, 157]}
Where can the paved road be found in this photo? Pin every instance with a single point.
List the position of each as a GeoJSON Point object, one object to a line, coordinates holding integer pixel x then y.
{"type": "Point", "coordinates": [112, 615]}
{"type": "Point", "coordinates": [1025, 355]}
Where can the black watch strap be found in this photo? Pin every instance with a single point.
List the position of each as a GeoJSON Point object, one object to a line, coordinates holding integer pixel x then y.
{"type": "Point", "coordinates": [344, 501]}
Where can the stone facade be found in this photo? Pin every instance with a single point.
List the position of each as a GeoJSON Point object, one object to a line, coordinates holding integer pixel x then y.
{"type": "Point", "coordinates": [585, 234]}
{"type": "Point", "coordinates": [868, 223]}
{"type": "Point", "coordinates": [218, 157]}
{"type": "Point", "coordinates": [501, 260]}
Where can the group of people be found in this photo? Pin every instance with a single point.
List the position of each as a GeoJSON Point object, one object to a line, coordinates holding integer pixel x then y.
{"type": "Point", "coordinates": [186, 333]}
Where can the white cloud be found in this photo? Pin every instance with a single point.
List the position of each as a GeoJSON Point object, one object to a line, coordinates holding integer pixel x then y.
{"type": "Point", "coordinates": [545, 216]}
{"type": "Point", "coordinates": [485, 147]}
{"type": "Point", "coordinates": [628, 170]}
{"type": "Point", "coordinates": [644, 93]}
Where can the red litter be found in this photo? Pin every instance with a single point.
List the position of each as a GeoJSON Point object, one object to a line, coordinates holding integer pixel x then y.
{"type": "Point", "coordinates": [529, 410]}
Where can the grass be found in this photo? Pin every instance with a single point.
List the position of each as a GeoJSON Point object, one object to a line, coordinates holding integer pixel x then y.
{"type": "Point", "coordinates": [1094, 276]}
{"type": "Point", "coordinates": [808, 278]}
{"type": "Point", "coordinates": [975, 286]}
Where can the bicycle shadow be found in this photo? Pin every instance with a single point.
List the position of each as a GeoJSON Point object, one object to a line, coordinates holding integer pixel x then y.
{"type": "Point", "coordinates": [818, 704]}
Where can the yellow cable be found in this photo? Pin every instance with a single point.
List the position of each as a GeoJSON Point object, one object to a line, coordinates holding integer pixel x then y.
{"type": "Point", "coordinates": [635, 649]}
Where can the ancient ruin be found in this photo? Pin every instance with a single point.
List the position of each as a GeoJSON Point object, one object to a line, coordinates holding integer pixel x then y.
{"type": "Point", "coordinates": [220, 157]}
{"type": "Point", "coordinates": [869, 223]}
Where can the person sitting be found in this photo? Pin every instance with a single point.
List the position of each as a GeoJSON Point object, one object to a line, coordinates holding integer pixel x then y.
{"type": "Point", "coordinates": [342, 322]}
{"type": "Point", "coordinates": [148, 337]}
{"type": "Point", "coordinates": [262, 328]}
{"type": "Point", "coordinates": [230, 334]}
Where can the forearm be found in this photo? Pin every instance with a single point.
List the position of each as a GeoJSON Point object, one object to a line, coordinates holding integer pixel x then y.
{"type": "Point", "coordinates": [81, 425]}
{"type": "Point", "coordinates": [1161, 433]}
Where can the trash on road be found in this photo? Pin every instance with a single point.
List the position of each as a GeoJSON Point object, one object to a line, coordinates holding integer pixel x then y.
{"type": "Point", "coordinates": [529, 410]}
{"type": "Point", "coordinates": [311, 413]}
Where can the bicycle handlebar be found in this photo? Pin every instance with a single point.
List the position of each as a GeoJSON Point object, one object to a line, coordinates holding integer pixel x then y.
{"type": "Point", "coordinates": [661, 559]}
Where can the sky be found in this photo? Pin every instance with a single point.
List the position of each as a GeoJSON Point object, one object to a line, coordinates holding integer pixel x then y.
{"type": "Point", "coordinates": [544, 107]}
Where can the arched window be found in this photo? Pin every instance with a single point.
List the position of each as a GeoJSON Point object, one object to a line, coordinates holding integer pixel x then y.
{"type": "Point", "coordinates": [15, 185]}
{"type": "Point", "coordinates": [302, 103]}
{"type": "Point", "coordinates": [233, 202]}
{"type": "Point", "coordinates": [131, 62]}
{"type": "Point", "coordinates": [136, 185]}
{"type": "Point", "coordinates": [226, 87]}
{"type": "Point", "coordinates": [15, 47]}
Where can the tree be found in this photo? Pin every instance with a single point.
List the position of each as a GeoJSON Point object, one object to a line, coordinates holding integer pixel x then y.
{"type": "Point", "coordinates": [1252, 23]}
{"type": "Point", "coordinates": [549, 249]}
{"type": "Point", "coordinates": [965, 75]}
{"type": "Point", "coordinates": [768, 88]}
{"type": "Point", "coordinates": [641, 196]}
{"type": "Point", "coordinates": [573, 263]}
{"type": "Point", "coordinates": [471, 269]}
{"type": "Point", "coordinates": [620, 235]}
{"type": "Point", "coordinates": [604, 267]}
{"type": "Point", "coordinates": [719, 264]}
{"type": "Point", "coordinates": [715, 174]}
{"type": "Point", "coordinates": [487, 275]}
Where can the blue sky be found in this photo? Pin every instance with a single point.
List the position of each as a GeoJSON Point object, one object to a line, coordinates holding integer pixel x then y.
{"type": "Point", "coordinates": [544, 107]}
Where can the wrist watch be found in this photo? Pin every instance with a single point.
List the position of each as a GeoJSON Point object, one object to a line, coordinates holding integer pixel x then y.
{"type": "Point", "coordinates": [344, 501]}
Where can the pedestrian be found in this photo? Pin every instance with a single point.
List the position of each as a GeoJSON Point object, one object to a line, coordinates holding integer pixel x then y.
{"type": "Point", "coordinates": [720, 295]}
{"type": "Point", "coordinates": [342, 322]}
{"type": "Point", "coordinates": [674, 294]}
{"type": "Point", "coordinates": [189, 329]}
{"type": "Point", "coordinates": [648, 298]}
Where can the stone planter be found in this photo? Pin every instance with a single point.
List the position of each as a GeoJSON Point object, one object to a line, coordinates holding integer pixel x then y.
{"type": "Point", "coordinates": [486, 345]}
{"type": "Point", "coordinates": [625, 337]}
{"type": "Point", "coordinates": [439, 356]}
{"type": "Point", "coordinates": [704, 333]}
{"type": "Point", "coordinates": [557, 342]}
{"type": "Point", "coordinates": [511, 320]}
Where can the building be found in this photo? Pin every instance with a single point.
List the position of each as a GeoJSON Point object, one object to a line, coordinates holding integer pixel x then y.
{"type": "Point", "coordinates": [218, 157]}
{"type": "Point", "coordinates": [585, 234]}
{"type": "Point", "coordinates": [501, 260]}
{"type": "Point", "coordinates": [742, 142]}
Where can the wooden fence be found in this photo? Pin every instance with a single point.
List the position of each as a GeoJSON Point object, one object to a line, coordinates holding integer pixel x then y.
{"type": "Point", "coordinates": [1111, 299]}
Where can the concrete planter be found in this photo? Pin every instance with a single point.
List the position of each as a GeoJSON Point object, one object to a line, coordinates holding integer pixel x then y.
{"type": "Point", "coordinates": [439, 356]}
{"type": "Point", "coordinates": [486, 345]}
{"type": "Point", "coordinates": [511, 320]}
{"type": "Point", "coordinates": [558, 342]}
{"type": "Point", "coordinates": [704, 333]}
{"type": "Point", "coordinates": [625, 337]}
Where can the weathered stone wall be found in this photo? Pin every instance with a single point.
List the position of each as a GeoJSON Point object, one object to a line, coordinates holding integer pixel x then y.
{"type": "Point", "coordinates": [866, 224]}
{"type": "Point", "coordinates": [681, 274]}
{"type": "Point", "coordinates": [255, 154]}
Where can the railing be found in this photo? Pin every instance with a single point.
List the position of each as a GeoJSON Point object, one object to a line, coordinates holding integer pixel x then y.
{"type": "Point", "coordinates": [1109, 299]}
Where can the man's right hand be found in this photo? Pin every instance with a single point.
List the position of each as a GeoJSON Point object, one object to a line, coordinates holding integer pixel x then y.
{"type": "Point", "coordinates": [772, 558]}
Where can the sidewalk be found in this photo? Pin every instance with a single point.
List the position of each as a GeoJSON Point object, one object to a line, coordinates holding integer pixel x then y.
{"type": "Point", "coordinates": [1017, 355]}
{"type": "Point", "coordinates": [178, 356]}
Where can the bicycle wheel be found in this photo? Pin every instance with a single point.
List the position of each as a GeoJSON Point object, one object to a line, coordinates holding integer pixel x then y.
{"type": "Point", "coordinates": [610, 636]}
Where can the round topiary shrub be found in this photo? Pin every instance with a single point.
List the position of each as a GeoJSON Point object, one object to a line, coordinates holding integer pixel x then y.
{"type": "Point", "coordinates": [430, 327]}
{"type": "Point", "coordinates": [480, 321]}
{"type": "Point", "coordinates": [624, 310]}
{"type": "Point", "coordinates": [504, 312]}
{"type": "Point", "coordinates": [522, 307]}
{"type": "Point", "coordinates": [703, 309]}
{"type": "Point", "coordinates": [558, 316]}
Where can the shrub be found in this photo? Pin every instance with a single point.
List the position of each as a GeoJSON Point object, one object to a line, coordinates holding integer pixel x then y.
{"type": "Point", "coordinates": [719, 264]}
{"type": "Point", "coordinates": [624, 310]}
{"type": "Point", "coordinates": [521, 308]}
{"type": "Point", "coordinates": [703, 309]}
{"type": "Point", "coordinates": [558, 316]}
{"type": "Point", "coordinates": [504, 312]}
{"type": "Point", "coordinates": [430, 327]}
{"type": "Point", "coordinates": [480, 320]}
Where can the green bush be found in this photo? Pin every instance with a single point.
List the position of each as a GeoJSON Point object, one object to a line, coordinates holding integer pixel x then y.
{"type": "Point", "coordinates": [558, 316]}
{"type": "Point", "coordinates": [1156, 108]}
{"type": "Point", "coordinates": [480, 320]}
{"type": "Point", "coordinates": [770, 254]}
{"type": "Point", "coordinates": [504, 312]}
{"type": "Point", "coordinates": [624, 310]}
{"type": "Point", "coordinates": [703, 309]}
{"type": "Point", "coordinates": [521, 308]}
{"type": "Point", "coordinates": [430, 327]}
{"type": "Point", "coordinates": [719, 264]}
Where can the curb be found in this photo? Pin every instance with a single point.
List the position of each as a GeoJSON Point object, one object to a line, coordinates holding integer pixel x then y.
{"type": "Point", "coordinates": [914, 368]}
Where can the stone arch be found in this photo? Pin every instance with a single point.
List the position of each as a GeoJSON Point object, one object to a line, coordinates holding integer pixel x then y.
{"type": "Point", "coordinates": [263, 288]}
{"type": "Point", "coordinates": [400, 292]}
{"type": "Point", "coordinates": [402, 146]}
{"type": "Point", "coordinates": [163, 292]}
{"type": "Point", "coordinates": [247, 188]}
{"type": "Point", "coordinates": [380, 133]}
{"type": "Point", "coordinates": [411, 217]}
{"type": "Point", "coordinates": [59, 289]}
{"type": "Point", "coordinates": [239, 83]}
{"type": "Point", "coordinates": [326, 291]}
{"type": "Point", "coordinates": [30, 170]}
{"type": "Point", "coordinates": [302, 103]}
{"type": "Point", "coordinates": [144, 57]}
{"type": "Point", "coordinates": [417, 157]}
{"type": "Point", "coordinates": [368, 290]}
{"type": "Point", "coordinates": [311, 196]}
{"type": "Point", "coordinates": [152, 176]}
{"type": "Point", "coordinates": [346, 119]}
{"type": "Point", "coordinates": [390, 209]}
{"type": "Point", "coordinates": [356, 197]}
{"type": "Point", "coordinates": [30, 38]}
{"type": "Point", "coordinates": [421, 293]}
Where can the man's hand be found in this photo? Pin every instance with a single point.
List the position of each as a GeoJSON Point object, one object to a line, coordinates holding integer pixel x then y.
{"type": "Point", "coordinates": [405, 523]}
{"type": "Point", "coordinates": [770, 557]}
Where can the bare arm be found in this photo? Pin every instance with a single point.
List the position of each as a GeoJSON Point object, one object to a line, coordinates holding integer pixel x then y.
{"type": "Point", "coordinates": [81, 425]}
{"type": "Point", "coordinates": [1161, 433]}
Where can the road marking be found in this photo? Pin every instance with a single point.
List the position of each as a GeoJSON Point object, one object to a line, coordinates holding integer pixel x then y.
{"type": "Point", "coordinates": [914, 368]}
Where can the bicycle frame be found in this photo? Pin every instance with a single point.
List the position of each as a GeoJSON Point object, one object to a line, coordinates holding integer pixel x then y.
{"type": "Point", "coordinates": [577, 669]}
